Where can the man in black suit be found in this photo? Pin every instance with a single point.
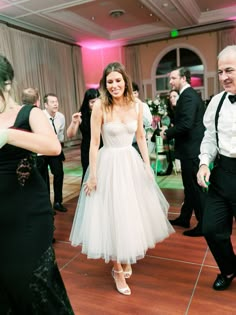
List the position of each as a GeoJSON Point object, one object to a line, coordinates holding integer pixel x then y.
{"type": "Point", "coordinates": [188, 131]}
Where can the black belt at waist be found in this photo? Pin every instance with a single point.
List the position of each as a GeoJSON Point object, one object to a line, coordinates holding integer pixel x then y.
{"type": "Point", "coordinates": [227, 163]}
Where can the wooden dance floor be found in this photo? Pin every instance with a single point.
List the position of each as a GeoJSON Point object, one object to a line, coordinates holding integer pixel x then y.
{"type": "Point", "coordinates": [175, 278]}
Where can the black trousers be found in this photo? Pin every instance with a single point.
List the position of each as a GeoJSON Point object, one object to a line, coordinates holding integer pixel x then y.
{"type": "Point", "coordinates": [43, 169]}
{"type": "Point", "coordinates": [56, 167]}
{"type": "Point", "coordinates": [219, 212]}
{"type": "Point", "coordinates": [194, 195]}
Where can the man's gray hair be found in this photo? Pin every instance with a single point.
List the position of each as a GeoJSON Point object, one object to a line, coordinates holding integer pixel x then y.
{"type": "Point", "coordinates": [226, 50]}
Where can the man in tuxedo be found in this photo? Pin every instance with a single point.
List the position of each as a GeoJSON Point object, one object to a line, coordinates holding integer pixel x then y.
{"type": "Point", "coordinates": [219, 145]}
{"type": "Point", "coordinates": [57, 121]}
{"type": "Point", "coordinates": [188, 131]}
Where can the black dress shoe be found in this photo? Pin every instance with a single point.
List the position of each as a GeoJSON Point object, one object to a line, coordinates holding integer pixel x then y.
{"type": "Point", "coordinates": [180, 222]}
{"type": "Point", "coordinates": [222, 282]}
{"type": "Point", "coordinates": [161, 173]}
{"type": "Point", "coordinates": [59, 207]}
{"type": "Point", "coordinates": [195, 232]}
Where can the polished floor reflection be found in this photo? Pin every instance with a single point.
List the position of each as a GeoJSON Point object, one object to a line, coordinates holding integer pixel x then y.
{"type": "Point", "coordinates": [174, 278]}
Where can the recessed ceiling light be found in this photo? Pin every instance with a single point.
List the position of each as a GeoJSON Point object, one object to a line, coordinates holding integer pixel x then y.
{"type": "Point", "coordinates": [116, 13]}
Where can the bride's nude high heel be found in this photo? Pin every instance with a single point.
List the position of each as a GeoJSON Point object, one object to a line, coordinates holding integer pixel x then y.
{"type": "Point", "coordinates": [127, 273]}
{"type": "Point", "coordinates": [126, 290]}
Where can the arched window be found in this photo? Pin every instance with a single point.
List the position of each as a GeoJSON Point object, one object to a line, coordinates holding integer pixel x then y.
{"type": "Point", "coordinates": [179, 57]}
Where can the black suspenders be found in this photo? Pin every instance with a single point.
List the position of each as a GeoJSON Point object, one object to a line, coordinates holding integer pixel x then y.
{"type": "Point", "coordinates": [217, 117]}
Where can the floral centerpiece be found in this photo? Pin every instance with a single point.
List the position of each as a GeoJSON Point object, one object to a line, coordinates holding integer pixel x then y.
{"type": "Point", "coordinates": [158, 109]}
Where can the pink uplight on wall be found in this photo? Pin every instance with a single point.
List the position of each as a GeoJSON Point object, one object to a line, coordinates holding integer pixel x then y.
{"type": "Point", "coordinates": [95, 58]}
{"type": "Point", "coordinates": [92, 86]}
{"type": "Point", "coordinates": [232, 18]}
{"type": "Point", "coordinates": [196, 81]}
{"type": "Point", "coordinates": [100, 44]}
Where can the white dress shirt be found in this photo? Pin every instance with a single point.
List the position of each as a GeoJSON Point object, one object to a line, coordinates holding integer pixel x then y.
{"type": "Point", "coordinates": [59, 122]}
{"type": "Point", "coordinates": [184, 88]}
{"type": "Point", "coordinates": [226, 130]}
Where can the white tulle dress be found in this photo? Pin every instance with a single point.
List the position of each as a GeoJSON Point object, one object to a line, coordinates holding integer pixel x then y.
{"type": "Point", "coordinates": [127, 213]}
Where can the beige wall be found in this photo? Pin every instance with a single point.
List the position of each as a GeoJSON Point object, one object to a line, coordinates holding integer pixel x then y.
{"type": "Point", "coordinates": [206, 44]}
{"type": "Point", "coordinates": [203, 44]}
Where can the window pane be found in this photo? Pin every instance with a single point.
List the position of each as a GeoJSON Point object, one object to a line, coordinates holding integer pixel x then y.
{"type": "Point", "coordinates": [188, 58]}
{"type": "Point", "coordinates": [162, 84]}
{"type": "Point", "coordinates": [167, 63]}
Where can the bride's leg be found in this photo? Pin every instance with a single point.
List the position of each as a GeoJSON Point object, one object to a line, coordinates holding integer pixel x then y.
{"type": "Point", "coordinates": [127, 270]}
{"type": "Point", "coordinates": [118, 275]}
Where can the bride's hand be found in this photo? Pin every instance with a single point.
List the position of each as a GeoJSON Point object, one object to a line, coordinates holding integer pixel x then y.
{"type": "Point", "coordinates": [150, 172]}
{"type": "Point", "coordinates": [3, 137]}
{"type": "Point", "coordinates": [90, 185]}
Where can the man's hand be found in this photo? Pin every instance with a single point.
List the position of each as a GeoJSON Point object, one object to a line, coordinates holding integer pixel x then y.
{"type": "Point", "coordinates": [163, 129]}
{"type": "Point", "coordinates": [203, 176]}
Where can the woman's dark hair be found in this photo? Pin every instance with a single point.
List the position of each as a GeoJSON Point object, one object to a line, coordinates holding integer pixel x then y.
{"type": "Point", "coordinates": [135, 87]}
{"type": "Point", "coordinates": [90, 94]}
{"type": "Point", "coordinates": [6, 72]}
{"type": "Point", "coordinates": [6, 75]}
{"type": "Point", "coordinates": [106, 97]}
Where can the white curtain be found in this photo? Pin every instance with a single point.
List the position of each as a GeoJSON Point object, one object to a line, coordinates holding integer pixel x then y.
{"type": "Point", "coordinates": [132, 64]}
{"type": "Point", "coordinates": [49, 65]}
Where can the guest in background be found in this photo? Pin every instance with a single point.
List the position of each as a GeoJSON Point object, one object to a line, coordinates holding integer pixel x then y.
{"type": "Point", "coordinates": [57, 121]}
{"type": "Point", "coordinates": [167, 121]}
{"type": "Point", "coordinates": [30, 96]}
{"type": "Point", "coordinates": [188, 131]}
{"type": "Point", "coordinates": [30, 279]}
{"type": "Point", "coordinates": [147, 115]}
{"type": "Point", "coordinates": [219, 146]}
{"type": "Point", "coordinates": [81, 120]}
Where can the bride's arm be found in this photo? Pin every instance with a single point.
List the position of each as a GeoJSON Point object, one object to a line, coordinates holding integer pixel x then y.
{"type": "Point", "coordinates": [41, 140]}
{"type": "Point", "coordinates": [140, 136]}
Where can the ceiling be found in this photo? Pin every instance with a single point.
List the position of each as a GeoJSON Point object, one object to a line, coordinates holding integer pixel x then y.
{"type": "Point", "coordinates": [89, 23]}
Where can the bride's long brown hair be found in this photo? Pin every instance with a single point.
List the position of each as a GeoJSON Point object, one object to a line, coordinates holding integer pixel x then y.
{"type": "Point", "coordinates": [106, 98]}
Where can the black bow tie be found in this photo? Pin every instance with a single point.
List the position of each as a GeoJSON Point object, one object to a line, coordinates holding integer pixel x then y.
{"type": "Point", "coordinates": [232, 98]}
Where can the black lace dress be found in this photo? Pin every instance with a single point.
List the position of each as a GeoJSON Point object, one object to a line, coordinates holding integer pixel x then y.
{"type": "Point", "coordinates": [30, 282]}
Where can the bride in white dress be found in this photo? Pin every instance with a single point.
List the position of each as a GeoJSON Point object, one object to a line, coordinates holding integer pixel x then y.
{"type": "Point", "coordinates": [121, 211]}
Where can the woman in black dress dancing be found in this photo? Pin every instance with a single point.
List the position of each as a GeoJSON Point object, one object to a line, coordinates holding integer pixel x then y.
{"type": "Point", "coordinates": [81, 121]}
{"type": "Point", "coordinates": [30, 282]}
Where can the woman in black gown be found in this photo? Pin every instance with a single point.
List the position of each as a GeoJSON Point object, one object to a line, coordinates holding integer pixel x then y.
{"type": "Point", "coordinates": [81, 121]}
{"type": "Point", "coordinates": [30, 282]}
